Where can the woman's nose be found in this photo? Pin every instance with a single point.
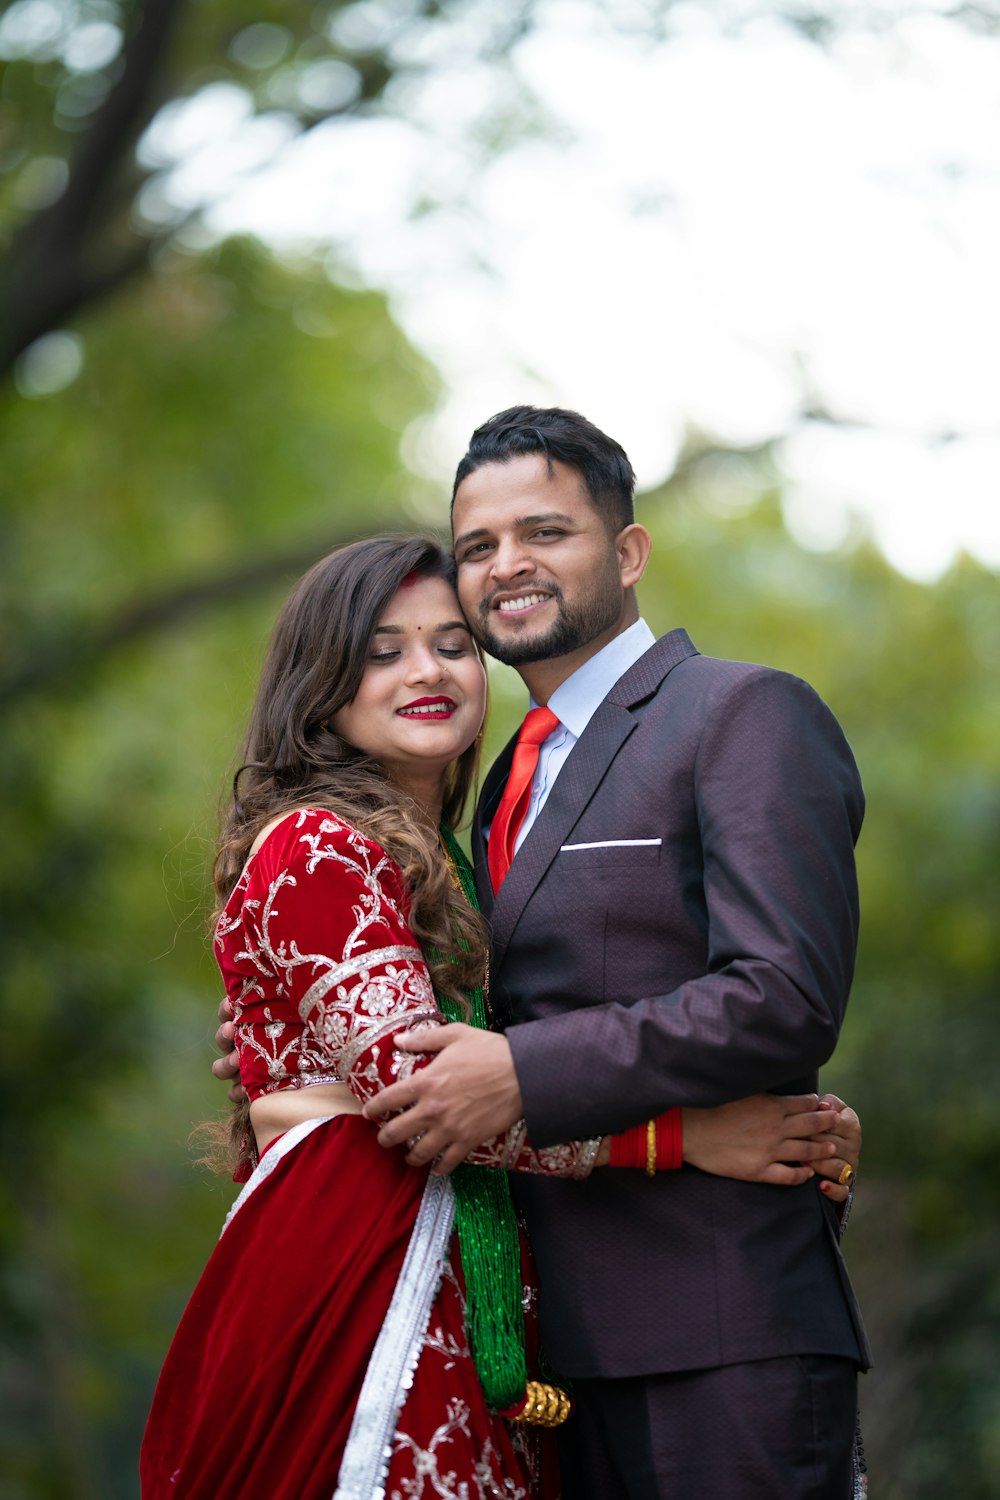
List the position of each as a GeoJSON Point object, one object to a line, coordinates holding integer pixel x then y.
{"type": "Point", "coordinates": [426, 666]}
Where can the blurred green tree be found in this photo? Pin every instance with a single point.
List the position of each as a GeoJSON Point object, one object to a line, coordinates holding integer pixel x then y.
{"type": "Point", "coordinates": [234, 418]}
{"type": "Point", "coordinates": [83, 208]}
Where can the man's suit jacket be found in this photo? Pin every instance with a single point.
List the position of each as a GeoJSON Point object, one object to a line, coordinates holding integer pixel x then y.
{"type": "Point", "coordinates": [679, 928]}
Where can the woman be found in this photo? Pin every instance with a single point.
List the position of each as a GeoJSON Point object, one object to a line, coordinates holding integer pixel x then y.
{"type": "Point", "coordinates": [324, 1351]}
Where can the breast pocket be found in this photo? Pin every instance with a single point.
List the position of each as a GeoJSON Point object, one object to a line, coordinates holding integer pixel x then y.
{"type": "Point", "coordinates": [610, 896]}
{"type": "Point", "coordinates": [609, 854]}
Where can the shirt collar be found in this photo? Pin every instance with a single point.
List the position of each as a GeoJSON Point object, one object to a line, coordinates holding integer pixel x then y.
{"type": "Point", "coordinates": [576, 700]}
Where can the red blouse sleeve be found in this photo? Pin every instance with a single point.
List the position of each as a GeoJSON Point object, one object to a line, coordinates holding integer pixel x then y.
{"type": "Point", "coordinates": [513, 1152]}
{"type": "Point", "coordinates": [326, 911]}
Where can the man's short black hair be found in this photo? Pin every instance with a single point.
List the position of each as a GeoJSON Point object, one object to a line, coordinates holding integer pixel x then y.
{"type": "Point", "coordinates": [564, 435]}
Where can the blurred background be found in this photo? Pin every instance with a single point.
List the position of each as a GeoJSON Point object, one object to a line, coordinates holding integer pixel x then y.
{"type": "Point", "coordinates": [262, 268]}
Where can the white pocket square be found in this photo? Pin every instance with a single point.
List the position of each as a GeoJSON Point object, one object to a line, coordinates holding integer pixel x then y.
{"type": "Point", "coordinates": [612, 844]}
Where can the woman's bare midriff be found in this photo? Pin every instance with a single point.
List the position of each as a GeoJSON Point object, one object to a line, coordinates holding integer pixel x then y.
{"type": "Point", "coordinates": [272, 1114]}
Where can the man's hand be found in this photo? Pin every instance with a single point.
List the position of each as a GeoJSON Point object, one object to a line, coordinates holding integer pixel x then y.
{"type": "Point", "coordinates": [466, 1095]}
{"type": "Point", "coordinates": [227, 1067]}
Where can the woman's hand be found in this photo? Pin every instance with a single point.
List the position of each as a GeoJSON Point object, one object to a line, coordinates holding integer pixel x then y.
{"type": "Point", "coordinates": [781, 1139]}
{"type": "Point", "coordinates": [845, 1133]}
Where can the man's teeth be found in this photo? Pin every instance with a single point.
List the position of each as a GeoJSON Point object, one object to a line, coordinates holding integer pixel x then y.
{"type": "Point", "coordinates": [525, 601]}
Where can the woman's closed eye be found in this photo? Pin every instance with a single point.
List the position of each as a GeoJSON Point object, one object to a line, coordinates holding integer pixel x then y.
{"type": "Point", "coordinates": [453, 650]}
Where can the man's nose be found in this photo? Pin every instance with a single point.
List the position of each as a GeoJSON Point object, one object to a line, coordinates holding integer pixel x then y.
{"type": "Point", "coordinates": [511, 560]}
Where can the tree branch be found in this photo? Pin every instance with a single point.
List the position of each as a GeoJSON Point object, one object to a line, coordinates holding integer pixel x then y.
{"type": "Point", "coordinates": [54, 265]}
{"type": "Point", "coordinates": [74, 652]}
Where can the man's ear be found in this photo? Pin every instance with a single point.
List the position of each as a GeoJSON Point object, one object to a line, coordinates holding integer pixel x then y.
{"type": "Point", "coordinates": [633, 545]}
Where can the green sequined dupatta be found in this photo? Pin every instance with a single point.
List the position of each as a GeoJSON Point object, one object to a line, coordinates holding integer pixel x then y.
{"type": "Point", "coordinates": [486, 1222]}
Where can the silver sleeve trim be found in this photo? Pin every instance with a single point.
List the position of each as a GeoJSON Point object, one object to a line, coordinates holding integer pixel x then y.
{"type": "Point", "coordinates": [356, 965]}
{"type": "Point", "coordinates": [391, 1368]}
{"type": "Point", "coordinates": [587, 1157]}
{"type": "Point", "coordinates": [516, 1136]}
{"type": "Point", "coordinates": [404, 1020]}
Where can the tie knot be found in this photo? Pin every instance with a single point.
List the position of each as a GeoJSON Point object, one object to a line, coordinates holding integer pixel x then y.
{"type": "Point", "coordinates": [538, 725]}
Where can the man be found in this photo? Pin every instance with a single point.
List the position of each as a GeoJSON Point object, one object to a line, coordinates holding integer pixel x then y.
{"type": "Point", "coordinates": [677, 926]}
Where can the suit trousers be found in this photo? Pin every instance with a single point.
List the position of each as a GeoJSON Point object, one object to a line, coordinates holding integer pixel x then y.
{"type": "Point", "coordinates": [758, 1431]}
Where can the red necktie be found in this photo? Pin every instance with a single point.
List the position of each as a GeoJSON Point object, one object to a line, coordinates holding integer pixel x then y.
{"type": "Point", "coordinates": [538, 725]}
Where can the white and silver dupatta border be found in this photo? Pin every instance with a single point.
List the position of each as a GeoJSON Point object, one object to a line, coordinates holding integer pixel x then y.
{"type": "Point", "coordinates": [394, 1359]}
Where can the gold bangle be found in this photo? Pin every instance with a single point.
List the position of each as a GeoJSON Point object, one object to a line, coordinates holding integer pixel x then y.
{"type": "Point", "coordinates": [650, 1148]}
{"type": "Point", "coordinates": [545, 1405]}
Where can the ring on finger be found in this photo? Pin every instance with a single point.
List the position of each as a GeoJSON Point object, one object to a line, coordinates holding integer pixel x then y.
{"type": "Point", "coordinates": [846, 1176]}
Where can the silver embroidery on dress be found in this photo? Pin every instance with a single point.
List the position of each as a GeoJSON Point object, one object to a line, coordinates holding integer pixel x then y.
{"type": "Point", "coordinates": [360, 964]}
{"type": "Point", "coordinates": [513, 1153]}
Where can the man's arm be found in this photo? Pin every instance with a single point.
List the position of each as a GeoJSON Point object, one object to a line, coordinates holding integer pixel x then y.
{"type": "Point", "coordinates": [779, 806]}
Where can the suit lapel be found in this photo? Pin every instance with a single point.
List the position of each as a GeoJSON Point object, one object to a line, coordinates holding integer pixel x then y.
{"type": "Point", "coordinates": [574, 787]}
{"type": "Point", "coordinates": [576, 783]}
{"type": "Point", "coordinates": [643, 679]}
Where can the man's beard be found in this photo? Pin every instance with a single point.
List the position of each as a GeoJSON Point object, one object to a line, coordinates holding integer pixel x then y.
{"type": "Point", "coordinates": [573, 628]}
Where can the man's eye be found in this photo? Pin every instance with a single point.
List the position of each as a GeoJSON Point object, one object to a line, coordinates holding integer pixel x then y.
{"type": "Point", "coordinates": [548, 531]}
{"type": "Point", "coordinates": [475, 550]}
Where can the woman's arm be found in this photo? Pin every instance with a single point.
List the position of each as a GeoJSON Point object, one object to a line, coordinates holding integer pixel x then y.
{"type": "Point", "coordinates": [782, 1139]}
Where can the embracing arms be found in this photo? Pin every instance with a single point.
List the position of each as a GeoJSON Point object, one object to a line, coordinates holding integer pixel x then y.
{"type": "Point", "coordinates": [332, 978]}
{"type": "Point", "coordinates": [768, 847]}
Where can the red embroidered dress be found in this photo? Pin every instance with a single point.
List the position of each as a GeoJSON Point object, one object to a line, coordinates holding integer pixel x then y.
{"type": "Point", "coordinates": [259, 1394]}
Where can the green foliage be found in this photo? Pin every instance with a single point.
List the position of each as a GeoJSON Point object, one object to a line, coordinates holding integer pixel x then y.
{"type": "Point", "coordinates": [207, 430]}
{"type": "Point", "coordinates": [89, 194]}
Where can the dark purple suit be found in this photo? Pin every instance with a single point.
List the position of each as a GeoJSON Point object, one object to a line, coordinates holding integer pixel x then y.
{"type": "Point", "coordinates": [708, 960]}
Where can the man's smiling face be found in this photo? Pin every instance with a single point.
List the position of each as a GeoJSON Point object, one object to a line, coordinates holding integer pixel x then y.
{"type": "Point", "coordinates": [538, 573]}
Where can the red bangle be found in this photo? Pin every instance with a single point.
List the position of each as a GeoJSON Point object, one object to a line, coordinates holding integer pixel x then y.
{"type": "Point", "coordinates": [628, 1148]}
{"type": "Point", "coordinates": [669, 1141]}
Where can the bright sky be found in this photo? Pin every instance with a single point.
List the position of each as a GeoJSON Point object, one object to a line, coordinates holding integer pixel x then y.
{"type": "Point", "coordinates": [706, 220]}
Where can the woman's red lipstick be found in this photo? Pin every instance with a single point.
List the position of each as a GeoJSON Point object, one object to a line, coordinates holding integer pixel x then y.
{"type": "Point", "coordinates": [428, 708]}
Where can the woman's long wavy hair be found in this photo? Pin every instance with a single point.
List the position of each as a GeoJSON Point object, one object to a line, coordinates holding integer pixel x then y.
{"type": "Point", "coordinates": [292, 758]}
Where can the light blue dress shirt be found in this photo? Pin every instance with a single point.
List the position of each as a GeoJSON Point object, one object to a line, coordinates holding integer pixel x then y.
{"type": "Point", "coordinates": [574, 704]}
